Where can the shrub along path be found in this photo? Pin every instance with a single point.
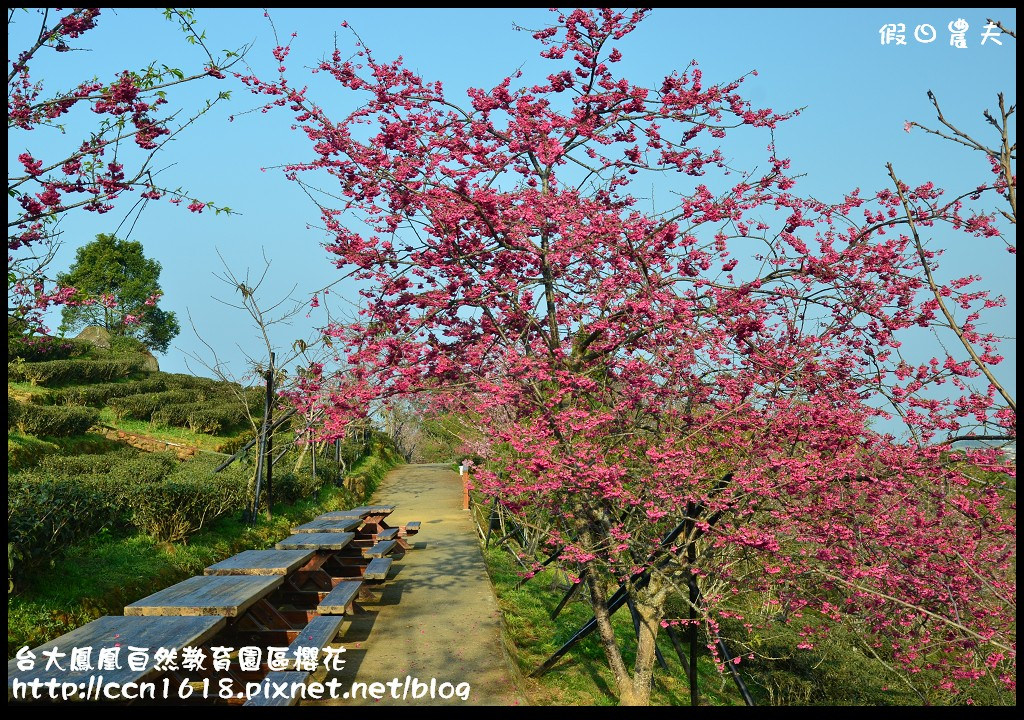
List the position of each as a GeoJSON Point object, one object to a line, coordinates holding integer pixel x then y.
{"type": "Point", "coordinates": [437, 616]}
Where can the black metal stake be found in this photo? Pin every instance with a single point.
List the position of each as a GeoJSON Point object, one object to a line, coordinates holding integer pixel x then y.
{"type": "Point", "coordinates": [554, 556]}
{"type": "Point", "coordinates": [670, 631]}
{"type": "Point", "coordinates": [572, 591]}
{"type": "Point", "coordinates": [742, 686]}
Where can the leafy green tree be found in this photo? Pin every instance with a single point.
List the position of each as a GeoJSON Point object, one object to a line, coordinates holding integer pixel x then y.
{"type": "Point", "coordinates": [118, 287]}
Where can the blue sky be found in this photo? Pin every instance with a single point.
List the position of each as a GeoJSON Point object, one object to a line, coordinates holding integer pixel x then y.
{"type": "Point", "coordinates": [857, 93]}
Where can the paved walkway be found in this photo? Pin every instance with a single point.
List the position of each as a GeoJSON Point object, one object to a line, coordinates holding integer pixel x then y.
{"type": "Point", "coordinates": [437, 616]}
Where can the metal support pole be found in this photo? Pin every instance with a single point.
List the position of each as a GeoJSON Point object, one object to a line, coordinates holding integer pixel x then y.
{"type": "Point", "coordinates": [269, 440]}
{"type": "Point", "coordinates": [671, 632]}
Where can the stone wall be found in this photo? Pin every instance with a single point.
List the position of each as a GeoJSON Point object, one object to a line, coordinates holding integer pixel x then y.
{"type": "Point", "coordinates": [148, 444]}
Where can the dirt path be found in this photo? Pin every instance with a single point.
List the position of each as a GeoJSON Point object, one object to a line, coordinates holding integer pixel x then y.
{"type": "Point", "coordinates": [437, 616]}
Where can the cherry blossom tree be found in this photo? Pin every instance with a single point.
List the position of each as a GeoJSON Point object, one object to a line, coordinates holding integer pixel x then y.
{"type": "Point", "coordinates": [123, 124]}
{"type": "Point", "coordinates": [722, 358]}
{"type": "Point", "coordinates": [928, 214]}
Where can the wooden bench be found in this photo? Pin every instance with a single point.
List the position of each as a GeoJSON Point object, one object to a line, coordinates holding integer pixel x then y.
{"type": "Point", "coordinates": [378, 569]}
{"type": "Point", "coordinates": [389, 534]}
{"type": "Point", "coordinates": [339, 600]}
{"type": "Point", "coordinates": [412, 528]}
{"type": "Point", "coordinates": [319, 633]}
{"type": "Point", "coordinates": [384, 547]}
{"type": "Point", "coordinates": [271, 686]}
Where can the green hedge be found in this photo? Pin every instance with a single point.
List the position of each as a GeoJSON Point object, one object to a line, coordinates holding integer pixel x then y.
{"type": "Point", "coordinates": [215, 418]}
{"type": "Point", "coordinates": [45, 515]}
{"type": "Point", "coordinates": [290, 487]}
{"type": "Point", "coordinates": [68, 499]}
{"type": "Point", "coordinates": [254, 400]}
{"type": "Point", "coordinates": [143, 406]}
{"type": "Point", "coordinates": [71, 466]}
{"type": "Point", "coordinates": [233, 445]}
{"type": "Point", "coordinates": [210, 417]}
{"type": "Point", "coordinates": [124, 467]}
{"type": "Point", "coordinates": [13, 412]}
{"type": "Point", "coordinates": [43, 347]}
{"type": "Point", "coordinates": [98, 395]}
{"type": "Point", "coordinates": [195, 382]}
{"type": "Point", "coordinates": [55, 372]}
{"type": "Point", "coordinates": [187, 499]}
{"type": "Point", "coordinates": [51, 421]}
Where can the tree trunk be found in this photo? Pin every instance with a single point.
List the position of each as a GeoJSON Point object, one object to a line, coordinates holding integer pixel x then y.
{"type": "Point", "coordinates": [302, 457]}
{"type": "Point", "coordinates": [650, 608]}
{"type": "Point", "coordinates": [599, 600]}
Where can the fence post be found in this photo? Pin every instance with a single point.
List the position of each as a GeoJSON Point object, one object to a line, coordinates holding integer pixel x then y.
{"type": "Point", "coordinates": [464, 476]}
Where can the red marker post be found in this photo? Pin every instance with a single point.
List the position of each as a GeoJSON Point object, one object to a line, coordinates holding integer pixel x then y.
{"type": "Point", "coordinates": [464, 474]}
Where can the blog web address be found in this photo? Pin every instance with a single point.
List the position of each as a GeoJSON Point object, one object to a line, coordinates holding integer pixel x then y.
{"type": "Point", "coordinates": [407, 688]}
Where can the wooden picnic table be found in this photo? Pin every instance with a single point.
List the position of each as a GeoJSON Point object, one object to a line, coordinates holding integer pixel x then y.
{"type": "Point", "coordinates": [322, 524]}
{"type": "Point", "coordinates": [114, 631]}
{"type": "Point", "coordinates": [227, 595]}
{"type": "Point", "coordinates": [261, 562]}
{"type": "Point", "coordinates": [316, 541]}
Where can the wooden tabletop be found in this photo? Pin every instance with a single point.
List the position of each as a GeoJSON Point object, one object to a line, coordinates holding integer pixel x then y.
{"type": "Point", "coordinates": [376, 509]}
{"type": "Point", "coordinates": [323, 524]}
{"type": "Point", "coordinates": [227, 595]}
{"type": "Point", "coordinates": [316, 541]}
{"type": "Point", "coordinates": [261, 562]}
{"type": "Point", "coordinates": [115, 631]}
{"type": "Point", "coordinates": [343, 514]}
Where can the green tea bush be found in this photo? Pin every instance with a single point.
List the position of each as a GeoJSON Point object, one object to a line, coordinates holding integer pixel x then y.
{"type": "Point", "coordinates": [187, 499]}
{"type": "Point", "coordinates": [56, 372]}
{"type": "Point", "coordinates": [123, 467]}
{"type": "Point", "coordinates": [230, 447]}
{"type": "Point", "coordinates": [13, 412]}
{"type": "Point", "coordinates": [194, 382]}
{"type": "Point", "coordinates": [46, 514]}
{"type": "Point", "coordinates": [143, 407]}
{"type": "Point", "coordinates": [71, 466]}
{"type": "Point", "coordinates": [209, 417]}
{"type": "Point", "coordinates": [98, 395]}
{"type": "Point", "coordinates": [52, 421]}
{"type": "Point", "coordinates": [216, 418]}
